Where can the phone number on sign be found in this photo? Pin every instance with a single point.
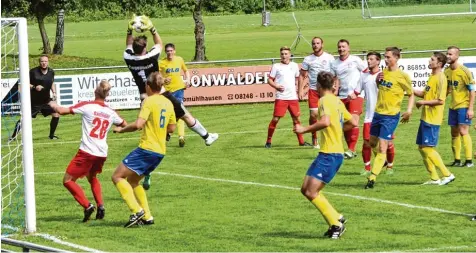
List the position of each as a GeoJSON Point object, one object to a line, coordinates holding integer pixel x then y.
{"type": "Point", "coordinates": [240, 96]}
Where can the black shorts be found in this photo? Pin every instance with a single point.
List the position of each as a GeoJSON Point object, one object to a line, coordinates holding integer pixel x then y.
{"type": "Point", "coordinates": [45, 110]}
{"type": "Point", "coordinates": [179, 108]}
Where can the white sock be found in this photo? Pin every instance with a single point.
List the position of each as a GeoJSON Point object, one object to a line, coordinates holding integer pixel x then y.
{"type": "Point", "coordinates": [199, 129]}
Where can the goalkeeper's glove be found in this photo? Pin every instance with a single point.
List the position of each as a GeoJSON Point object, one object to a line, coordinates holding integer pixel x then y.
{"type": "Point", "coordinates": [147, 25]}
{"type": "Point", "coordinates": [130, 25]}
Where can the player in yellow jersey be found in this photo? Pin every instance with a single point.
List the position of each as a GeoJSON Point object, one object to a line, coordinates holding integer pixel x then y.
{"type": "Point", "coordinates": [432, 107]}
{"type": "Point", "coordinates": [156, 118]}
{"type": "Point", "coordinates": [462, 88]}
{"type": "Point", "coordinates": [171, 69]}
{"type": "Point", "coordinates": [392, 83]}
{"type": "Point", "coordinates": [333, 119]}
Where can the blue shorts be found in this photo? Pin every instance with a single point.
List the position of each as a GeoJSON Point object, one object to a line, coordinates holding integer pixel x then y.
{"type": "Point", "coordinates": [142, 161]}
{"type": "Point", "coordinates": [458, 117]}
{"type": "Point", "coordinates": [325, 166]}
{"type": "Point", "coordinates": [383, 126]}
{"type": "Point", "coordinates": [178, 94]}
{"type": "Point", "coordinates": [427, 134]}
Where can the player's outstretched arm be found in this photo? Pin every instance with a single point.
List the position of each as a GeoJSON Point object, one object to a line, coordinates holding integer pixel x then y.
{"type": "Point", "coordinates": [59, 109]}
{"type": "Point", "coordinates": [418, 93]}
{"type": "Point", "coordinates": [138, 124]}
{"type": "Point", "coordinates": [351, 123]}
{"type": "Point", "coordinates": [322, 123]}
{"type": "Point", "coordinates": [129, 37]}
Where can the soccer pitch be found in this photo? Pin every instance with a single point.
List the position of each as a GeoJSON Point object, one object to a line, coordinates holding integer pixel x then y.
{"type": "Point", "coordinates": [236, 195]}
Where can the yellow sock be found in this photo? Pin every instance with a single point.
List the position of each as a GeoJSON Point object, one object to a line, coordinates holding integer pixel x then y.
{"type": "Point", "coordinates": [468, 147]}
{"type": "Point", "coordinates": [379, 161]}
{"type": "Point", "coordinates": [327, 210]}
{"type": "Point", "coordinates": [456, 147]}
{"type": "Point", "coordinates": [435, 158]}
{"type": "Point", "coordinates": [181, 127]}
{"type": "Point", "coordinates": [141, 197]}
{"type": "Point", "coordinates": [125, 189]}
{"type": "Point", "coordinates": [430, 167]}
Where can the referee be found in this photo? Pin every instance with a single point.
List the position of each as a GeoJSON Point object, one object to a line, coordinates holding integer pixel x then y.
{"type": "Point", "coordinates": [41, 83]}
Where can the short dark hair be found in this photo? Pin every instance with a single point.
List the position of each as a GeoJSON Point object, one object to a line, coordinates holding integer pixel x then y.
{"type": "Point", "coordinates": [453, 47]}
{"type": "Point", "coordinates": [319, 38]}
{"type": "Point", "coordinates": [139, 43]}
{"type": "Point", "coordinates": [395, 51]}
{"type": "Point", "coordinates": [343, 41]}
{"type": "Point", "coordinates": [325, 80]}
{"type": "Point", "coordinates": [155, 81]}
{"type": "Point", "coordinates": [169, 45]}
{"type": "Point", "coordinates": [440, 57]}
{"type": "Point", "coordinates": [43, 55]}
{"type": "Point", "coordinates": [374, 53]}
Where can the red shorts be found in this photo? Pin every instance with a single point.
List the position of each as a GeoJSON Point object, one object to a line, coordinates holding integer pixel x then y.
{"type": "Point", "coordinates": [280, 107]}
{"type": "Point", "coordinates": [84, 164]}
{"type": "Point", "coordinates": [366, 132]}
{"type": "Point", "coordinates": [313, 99]}
{"type": "Point", "coordinates": [354, 106]}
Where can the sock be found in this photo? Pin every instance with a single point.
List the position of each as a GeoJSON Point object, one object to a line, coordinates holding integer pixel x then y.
{"type": "Point", "coordinates": [353, 138]}
{"type": "Point", "coordinates": [181, 128]}
{"type": "Point", "coordinates": [468, 147]}
{"type": "Point", "coordinates": [366, 156]}
{"type": "Point", "coordinates": [435, 158]}
{"type": "Point", "coordinates": [77, 193]}
{"type": "Point", "coordinates": [314, 134]}
{"type": "Point", "coordinates": [271, 127]}
{"type": "Point", "coordinates": [139, 192]}
{"type": "Point", "coordinates": [17, 129]}
{"type": "Point", "coordinates": [96, 189]}
{"type": "Point", "coordinates": [379, 161]}
{"type": "Point", "coordinates": [299, 136]}
{"type": "Point", "coordinates": [348, 137]}
{"type": "Point", "coordinates": [199, 129]}
{"type": "Point", "coordinates": [430, 167]}
{"type": "Point", "coordinates": [53, 124]}
{"type": "Point", "coordinates": [327, 210]}
{"type": "Point", "coordinates": [390, 153]}
{"type": "Point", "coordinates": [456, 147]}
{"type": "Point", "coordinates": [125, 189]}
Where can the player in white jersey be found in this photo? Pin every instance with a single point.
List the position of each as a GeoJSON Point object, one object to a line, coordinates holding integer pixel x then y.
{"type": "Point", "coordinates": [312, 65]}
{"type": "Point", "coordinates": [369, 87]}
{"type": "Point", "coordinates": [97, 119]}
{"type": "Point", "coordinates": [283, 78]}
{"type": "Point", "coordinates": [347, 69]}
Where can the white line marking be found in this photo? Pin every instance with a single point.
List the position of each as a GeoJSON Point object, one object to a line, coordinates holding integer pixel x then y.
{"type": "Point", "coordinates": [53, 239]}
{"type": "Point", "coordinates": [330, 193]}
{"type": "Point", "coordinates": [137, 137]}
{"type": "Point", "coordinates": [69, 244]}
{"type": "Point", "coordinates": [428, 208]}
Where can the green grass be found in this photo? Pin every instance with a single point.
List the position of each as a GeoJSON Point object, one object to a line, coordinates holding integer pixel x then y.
{"type": "Point", "coordinates": [243, 37]}
{"type": "Point", "coordinates": [203, 214]}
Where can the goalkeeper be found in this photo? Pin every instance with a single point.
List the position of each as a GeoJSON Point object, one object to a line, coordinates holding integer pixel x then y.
{"type": "Point", "coordinates": [142, 63]}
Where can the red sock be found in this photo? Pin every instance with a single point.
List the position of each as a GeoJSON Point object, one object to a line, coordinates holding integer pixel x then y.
{"type": "Point", "coordinates": [77, 193]}
{"type": "Point", "coordinates": [96, 189]}
{"type": "Point", "coordinates": [390, 153]}
{"type": "Point", "coordinates": [353, 138]}
{"type": "Point", "coordinates": [366, 156]}
{"type": "Point", "coordinates": [314, 134]}
{"type": "Point", "coordinates": [299, 136]}
{"type": "Point", "coordinates": [271, 127]}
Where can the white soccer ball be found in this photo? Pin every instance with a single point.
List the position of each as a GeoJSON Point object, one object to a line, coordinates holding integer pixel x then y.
{"type": "Point", "coordinates": [138, 24]}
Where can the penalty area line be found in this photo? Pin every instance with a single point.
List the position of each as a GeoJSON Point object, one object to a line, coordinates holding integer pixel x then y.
{"type": "Point", "coordinates": [137, 137]}
{"type": "Point", "coordinates": [433, 209]}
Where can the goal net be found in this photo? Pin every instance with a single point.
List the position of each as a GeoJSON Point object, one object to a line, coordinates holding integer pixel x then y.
{"type": "Point", "coordinates": [416, 8]}
{"type": "Point", "coordinates": [18, 199]}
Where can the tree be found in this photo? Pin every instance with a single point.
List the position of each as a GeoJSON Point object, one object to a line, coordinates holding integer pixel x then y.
{"type": "Point", "coordinates": [199, 32]}
{"type": "Point", "coordinates": [42, 9]}
{"type": "Point", "coordinates": [59, 40]}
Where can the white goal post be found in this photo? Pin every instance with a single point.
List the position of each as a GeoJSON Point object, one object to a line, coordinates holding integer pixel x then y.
{"type": "Point", "coordinates": [413, 8]}
{"type": "Point", "coordinates": [14, 31]}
